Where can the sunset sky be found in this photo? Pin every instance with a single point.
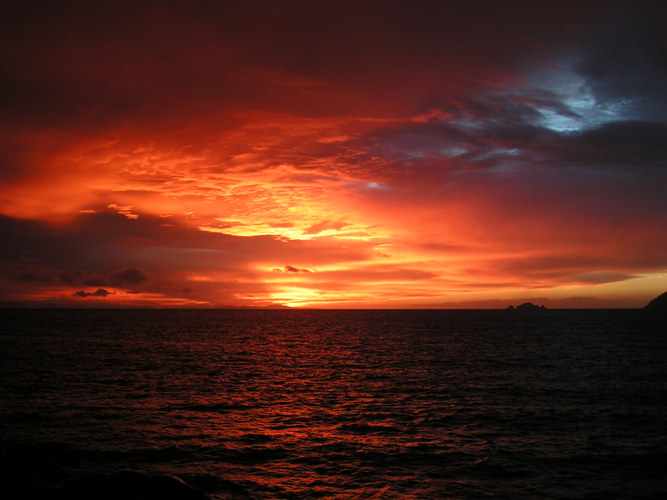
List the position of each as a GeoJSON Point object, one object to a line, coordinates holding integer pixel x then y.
{"type": "Point", "coordinates": [356, 154]}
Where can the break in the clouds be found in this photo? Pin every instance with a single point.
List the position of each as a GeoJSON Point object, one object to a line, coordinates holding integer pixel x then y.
{"type": "Point", "coordinates": [377, 154]}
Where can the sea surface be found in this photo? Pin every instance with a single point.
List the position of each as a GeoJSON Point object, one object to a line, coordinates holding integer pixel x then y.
{"type": "Point", "coordinates": [338, 404]}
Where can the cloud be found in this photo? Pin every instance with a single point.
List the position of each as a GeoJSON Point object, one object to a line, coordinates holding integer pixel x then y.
{"type": "Point", "coordinates": [292, 269]}
{"type": "Point", "coordinates": [599, 277]}
{"type": "Point", "coordinates": [100, 292]}
{"type": "Point", "coordinates": [130, 275]}
{"type": "Point", "coordinates": [626, 143]}
{"type": "Point", "coordinates": [623, 63]}
{"type": "Point", "coordinates": [39, 272]}
{"type": "Point", "coordinates": [215, 267]}
{"type": "Point", "coordinates": [325, 225]}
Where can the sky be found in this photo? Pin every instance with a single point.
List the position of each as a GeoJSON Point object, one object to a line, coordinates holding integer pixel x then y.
{"type": "Point", "coordinates": [362, 154]}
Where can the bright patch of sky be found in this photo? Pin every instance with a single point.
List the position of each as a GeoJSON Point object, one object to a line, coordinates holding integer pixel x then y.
{"type": "Point", "coordinates": [377, 186]}
{"type": "Point", "coordinates": [572, 90]}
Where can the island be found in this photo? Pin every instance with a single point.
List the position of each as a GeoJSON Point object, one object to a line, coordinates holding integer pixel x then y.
{"type": "Point", "coordinates": [527, 307]}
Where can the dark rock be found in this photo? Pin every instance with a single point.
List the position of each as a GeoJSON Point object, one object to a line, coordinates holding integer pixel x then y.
{"type": "Point", "coordinates": [658, 304]}
{"type": "Point", "coordinates": [527, 307]}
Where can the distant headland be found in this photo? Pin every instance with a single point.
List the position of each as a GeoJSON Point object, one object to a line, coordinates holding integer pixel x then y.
{"type": "Point", "coordinates": [658, 304]}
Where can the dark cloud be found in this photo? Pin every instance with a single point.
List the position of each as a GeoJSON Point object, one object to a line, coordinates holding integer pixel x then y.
{"type": "Point", "coordinates": [131, 276]}
{"type": "Point", "coordinates": [629, 143]}
{"type": "Point", "coordinates": [511, 136]}
{"type": "Point", "coordinates": [79, 254]}
{"type": "Point", "coordinates": [26, 270]}
{"type": "Point", "coordinates": [625, 61]}
{"type": "Point", "coordinates": [81, 245]}
{"type": "Point", "coordinates": [344, 279]}
{"type": "Point", "coordinates": [600, 277]}
{"type": "Point", "coordinates": [82, 65]}
{"type": "Point", "coordinates": [292, 269]}
{"type": "Point", "coordinates": [100, 292]}
{"type": "Point", "coordinates": [577, 268]}
{"type": "Point", "coordinates": [39, 272]}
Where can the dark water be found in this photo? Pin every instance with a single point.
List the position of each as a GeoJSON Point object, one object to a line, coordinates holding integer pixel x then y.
{"type": "Point", "coordinates": [340, 404]}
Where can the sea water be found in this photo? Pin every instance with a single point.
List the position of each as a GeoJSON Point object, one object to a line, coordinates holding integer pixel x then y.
{"type": "Point", "coordinates": [339, 404]}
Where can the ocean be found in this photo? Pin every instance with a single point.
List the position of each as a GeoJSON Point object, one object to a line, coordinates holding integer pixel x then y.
{"type": "Point", "coordinates": [264, 404]}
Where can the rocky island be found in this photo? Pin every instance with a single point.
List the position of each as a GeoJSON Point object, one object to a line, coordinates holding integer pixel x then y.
{"type": "Point", "coordinates": [527, 307]}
